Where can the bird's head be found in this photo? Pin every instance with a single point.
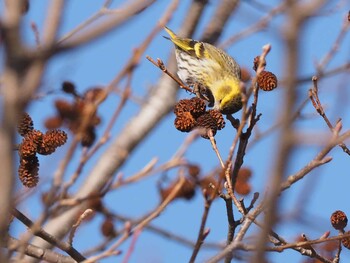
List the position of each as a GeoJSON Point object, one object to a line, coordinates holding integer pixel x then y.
{"type": "Point", "coordinates": [228, 99]}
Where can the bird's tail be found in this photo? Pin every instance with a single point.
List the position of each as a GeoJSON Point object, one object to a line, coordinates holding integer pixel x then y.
{"type": "Point", "coordinates": [185, 44]}
{"type": "Point", "coordinates": [171, 34]}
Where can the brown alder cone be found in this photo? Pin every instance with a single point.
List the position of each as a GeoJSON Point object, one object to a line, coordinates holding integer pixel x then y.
{"type": "Point", "coordinates": [244, 174]}
{"type": "Point", "coordinates": [30, 143]}
{"type": "Point", "coordinates": [339, 220]}
{"type": "Point", "coordinates": [184, 122]}
{"type": "Point", "coordinates": [28, 171]}
{"type": "Point", "coordinates": [190, 114]}
{"type": "Point", "coordinates": [219, 119]}
{"type": "Point", "coordinates": [80, 115]}
{"type": "Point", "coordinates": [195, 106]}
{"type": "Point", "coordinates": [51, 140]}
{"type": "Point", "coordinates": [66, 109]}
{"type": "Point", "coordinates": [193, 170]}
{"type": "Point", "coordinates": [187, 191]}
{"type": "Point", "coordinates": [53, 122]}
{"type": "Point", "coordinates": [267, 81]}
{"type": "Point", "coordinates": [27, 148]}
{"type": "Point", "coordinates": [69, 88]}
{"type": "Point", "coordinates": [242, 186]}
{"type": "Point", "coordinates": [107, 228]}
{"type": "Point", "coordinates": [89, 137]}
{"type": "Point", "coordinates": [207, 122]}
{"type": "Point", "coordinates": [182, 106]}
{"type": "Point", "coordinates": [25, 124]}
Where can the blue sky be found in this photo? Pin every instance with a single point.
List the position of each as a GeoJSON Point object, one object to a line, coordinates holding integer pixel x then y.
{"type": "Point", "coordinates": [325, 189]}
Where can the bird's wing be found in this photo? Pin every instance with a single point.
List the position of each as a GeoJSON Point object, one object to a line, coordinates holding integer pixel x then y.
{"type": "Point", "coordinates": [226, 62]}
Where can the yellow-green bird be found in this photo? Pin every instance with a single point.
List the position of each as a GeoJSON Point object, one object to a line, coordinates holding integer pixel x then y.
{"type": "Point", "coordinates": [206, 67]}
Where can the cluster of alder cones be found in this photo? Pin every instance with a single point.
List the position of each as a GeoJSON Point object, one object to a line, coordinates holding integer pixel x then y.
{"type": "Point", "coordinates": [35, 142]}
{"type": "Point", "coordinates": [192, 113]}
{"type": "Point", "coordinates": [79, 116]}
{"type": "Point", "coordinates": [339, 221]}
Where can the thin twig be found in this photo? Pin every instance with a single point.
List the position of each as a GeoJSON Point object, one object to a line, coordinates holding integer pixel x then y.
{"type": "Point", "coordinates": [81, 218]}
{"type": "Point", "coordinates": [313, 95]}
{"type": "Point", "coordinates": [334, 49]}
{"type": "Point", "coordinates": [139, 175]}
{"type": "Point", "coordinates": [162, 67]}
{"type": "Point", "coordinates": [132, 246]}
{"type": "Point", "coordinates": [124, 14]}
{"type": "Point", "coordinates": [231, 225]}
{"type": "Point", "coordinates": [215, 148]}
{"type": "Point", "coordinates": [38, 231]}
{"type": "Point", "coordinates": [320, 159]}
{"type": "Point", "coordinates": [203, 233]}
{"type": "Point", "coordinates": [337, 255]}
{"type": "Point", "coordinates": [142, 224]}
{"type": "Point", "coordinates": [249, 218]}
{"type": "Point", "coordinates": [309, 242]}
{"type": "Point", "coordinates": [38, 252]}
{"type": "Point", "coordinates": [258, 26]}
{"type": "Point", "coordinates": [87, 22]}
{"type": "Point", "coordinates": [36, 33]}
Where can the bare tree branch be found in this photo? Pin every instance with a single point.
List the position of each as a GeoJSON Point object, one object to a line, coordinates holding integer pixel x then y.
{"type": "Point", "coordinates": [157, 106]}
{"type": "Point", "coordinates": [39, 253]}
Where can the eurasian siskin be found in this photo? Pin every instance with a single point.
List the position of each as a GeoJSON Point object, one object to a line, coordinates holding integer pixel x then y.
{"type": "Point", "coordinates": [213, 73]}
